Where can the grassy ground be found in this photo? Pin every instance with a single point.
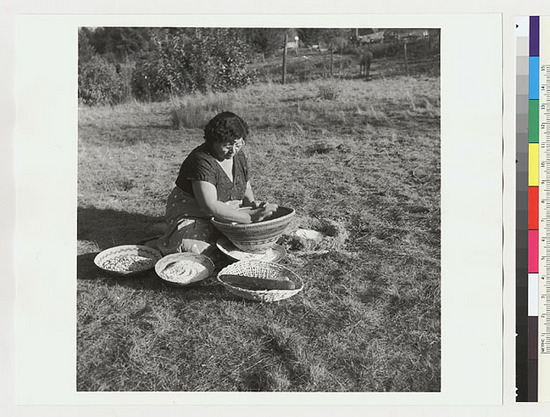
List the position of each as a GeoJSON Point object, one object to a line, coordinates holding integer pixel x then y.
{"type": "Point", "coordinates": [369, 316]}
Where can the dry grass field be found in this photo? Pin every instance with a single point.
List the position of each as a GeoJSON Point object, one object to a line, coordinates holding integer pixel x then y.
{"type": "Point", "coordinates": [369, 316]}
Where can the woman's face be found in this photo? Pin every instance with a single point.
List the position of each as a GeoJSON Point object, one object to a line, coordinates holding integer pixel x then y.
{"type": "Point", "coordinates": [227, 150]}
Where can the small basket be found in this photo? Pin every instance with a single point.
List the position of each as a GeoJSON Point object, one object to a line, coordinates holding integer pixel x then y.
{"type": "Point", "coordinates": [265, 270]}
{"type": "Point", "coordinates": [194, 268]}
{"type": "Point", "coordinates": [118, 260]}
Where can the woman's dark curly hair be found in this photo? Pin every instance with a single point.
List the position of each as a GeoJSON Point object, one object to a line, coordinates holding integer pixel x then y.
{"type": "Point", "coordinates": [225, 127]}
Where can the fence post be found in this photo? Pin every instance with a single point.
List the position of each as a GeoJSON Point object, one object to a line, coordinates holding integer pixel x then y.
{"type": "Point", "coordinates": [284, 59]}
{"type": "Point", "coordinates": [406, 63]}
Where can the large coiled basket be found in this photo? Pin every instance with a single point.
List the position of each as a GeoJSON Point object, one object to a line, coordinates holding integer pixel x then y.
{"type": "Point", "coordinates": [264, 270]}
{"type": "Point", "coordinates": [257, 237]}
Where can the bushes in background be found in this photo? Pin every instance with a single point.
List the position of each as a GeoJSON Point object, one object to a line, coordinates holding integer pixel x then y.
{"type": "Point", "coordinates": [99, 82]}
{"type": "Point", "coordinates": [208, 60]}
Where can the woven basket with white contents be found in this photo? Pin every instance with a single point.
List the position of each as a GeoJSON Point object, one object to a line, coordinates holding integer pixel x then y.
{"type": "Point", "coordinates": [261, 270]}
{"type": "Point", "coordinates": [127, 260]}
{"type": "Point", "coordinates": [184, 268]}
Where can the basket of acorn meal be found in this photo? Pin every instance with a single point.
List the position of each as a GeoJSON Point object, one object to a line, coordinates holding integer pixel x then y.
{"type": "Point", "coordinates": [260, 281]}
{"type": "Point", "coordinates": [127, 260]}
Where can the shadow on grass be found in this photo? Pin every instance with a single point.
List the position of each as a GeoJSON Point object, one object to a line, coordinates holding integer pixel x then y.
{"type": "Point", "coordinates": [107, 228]}
{"type": "Point", "coordinates": [99, 229]}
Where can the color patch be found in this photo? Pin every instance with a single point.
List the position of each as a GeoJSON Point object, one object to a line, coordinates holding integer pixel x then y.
{"type": "Point", "coordinates": [533, 208]}
{"type": "Point", "coordinates": [533, 266]}
{"type": "Point", "coordinates": [533, 301]}
{"type": "Point", "coordinates": [534, 25]}
{"type": "Point", "coordinates": [533, 165]}
{"type": "Point", "coordinates": [533, 77]}
{"type": "Point", "coordinates": [533, 121]}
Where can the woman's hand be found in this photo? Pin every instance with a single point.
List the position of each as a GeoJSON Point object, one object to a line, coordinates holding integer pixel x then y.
{"type": "Point", "coordinates": [257, 204]}
{"type": "Point", "coordinates": [207, 199]}
{"type": "Point", "coordinates": [262, 212]}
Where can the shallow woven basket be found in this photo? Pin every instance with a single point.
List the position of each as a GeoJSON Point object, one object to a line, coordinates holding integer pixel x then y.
{"type": "Point", "coordinates": [265, 270]}
{"type": "Point", "coordinates": [112, 253]}
{"type": "Point", "coordinates": [203, 260]}
{"type": "Point", "coordinates": [257, 237]}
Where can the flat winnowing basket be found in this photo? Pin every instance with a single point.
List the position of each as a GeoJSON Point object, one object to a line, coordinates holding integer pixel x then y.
{"type": "Point", "coordinates": [127, 260]}
{"type": "Point", "coordinates": [263, 270]}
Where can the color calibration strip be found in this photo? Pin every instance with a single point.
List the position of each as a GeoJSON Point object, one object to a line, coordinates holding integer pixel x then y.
{"type": "Point", "coordinates": [522, 207]}
{"type": "Point", "coordinates": [533, 209]}
{"type": "Point", "coordinates": [533, 205]}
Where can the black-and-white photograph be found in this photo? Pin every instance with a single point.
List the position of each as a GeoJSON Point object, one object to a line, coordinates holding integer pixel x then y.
{"type": "Point", "coordinates": [259, 209]}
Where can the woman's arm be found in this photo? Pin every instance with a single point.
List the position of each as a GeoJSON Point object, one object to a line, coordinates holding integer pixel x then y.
{"type": "Point", "coordinates": [207, 199]}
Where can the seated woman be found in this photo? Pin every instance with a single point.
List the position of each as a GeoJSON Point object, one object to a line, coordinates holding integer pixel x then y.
{"type": "Point", "coordinates": [213, 181]}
